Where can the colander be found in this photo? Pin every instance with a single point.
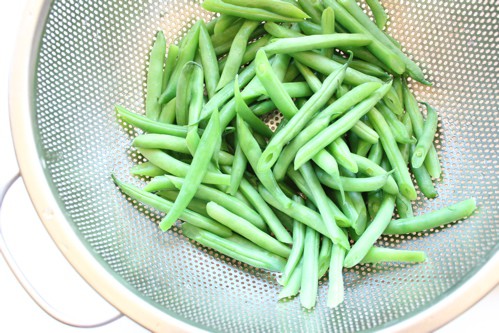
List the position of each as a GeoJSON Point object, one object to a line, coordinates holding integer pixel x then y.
{"type": "Point", "coordinates": [77, 59]}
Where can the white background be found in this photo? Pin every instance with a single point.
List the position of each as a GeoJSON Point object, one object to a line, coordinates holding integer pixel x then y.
{"type": "Point", "coordinates": [49, 270]}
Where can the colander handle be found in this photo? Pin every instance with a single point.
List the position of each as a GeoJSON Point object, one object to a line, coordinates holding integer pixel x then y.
{"type": "Point", "coordinates": [28, 287]}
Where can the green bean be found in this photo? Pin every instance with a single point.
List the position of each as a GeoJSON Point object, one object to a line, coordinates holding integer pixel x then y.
{"type": "Point", "coordinates": [294, 90]}
{"type": "Point", "coordinates": [363, 148]}
{"type": "Point", "coordinates": [166, 206]}
{"type": "Point", "coordinates": [292, 73]}
{"type": "Point", "coordinates": [353, 141]}
{"type": "Point", "coordinates": [312, 80]}
{"type": "Point", "coordinates": [196, 91]}
{"type": "Point", "coordinates": [327, 163]}
{"type": "Point", "coordinates": [229, 202]}
{"type": "Point", "coordinates": [267, 214]}
{"type": "Point", "coordinates": [327, 24]}
{"type": "Point", "coordinates": [146, 169]}
{"type": "Point", "coordinates": [312, 42]}
{"type": "Point", "coordinates": [320, 122]}
{"type": "Point", "coordinates": [161, 141]}
{"type": "Point", "coordinates": [167, 115]}
{"type": "Point", "coordinates": [364, 132]}
{"type": "Point", "coordinates": [324, 256]}
{"type": "Point", "coordinates": [223, 23]}
{"type": "Point", "coordinates": [245, 112]}
{"type": "Point", "coordinates": [336, 291]}
{"type": "Point", "coordinates": [273, 86]}
{"type": "Point", "coordinates": [285, 8]}
{"type": "Point", "coordinates": [155, 77]}
{"type": "Point", "coordinates": [309, 28]}
{"type": "Point", "coordinates": [370, 168]}
{"type": "Point", "coordinates": [433, 219]}
{"type": "Point", "coordinates": [342, 154]}
{"type": "Point", "coordinates": [210, 25]}
{"type": "Point", "coordinates": [309, 286]}
{"type": "Point", "coordinates": [361, 53]}
{"type": "Point", "coordinates": [360, 206]}
{"type": "Point", "coordinates": [397, 85]}
{"type": "Point", "coordinates": [387, 56]}
{"type": "Point", "coordinates": [326, 66]}
{"type": "Point", "coordinates": [247, 230]}
{"type": "Point", "coordinates": [149, 125]}
{"type": "Point", "coordinates": [425, 140]}
{"type": "Point", "coordinates": [346, 206]}
{"type": "Point", "coordinates": [342, 220]}
{"type": "Point", "coordinates": [404, 206]}
{"type": "Point", "coordinates": [432, 162]}
{"type": "Point", "coordinates": [187, 52]}
{"type": "Point", "coordinates": [251, 50]}
{"type": "Point", "coordinates": [253, 13]}
{"type": "Point", "coordinates": [374, 202]}
{"type": "Point", "coordinates": [236, 53]}
{"type": "Point", "coordinates": [280, 31]}
{"type": "Point", "coordinates": [398, 129]}
{"type": "Point", "coordinates": [372, 232]}
{"type": "Point", "coordinates": [238, 168]}
{"type": "Point", "coordinates": [196, 171]}
{"type": "Point", "coordinates": [196, 205]}
{"type": "Point", "coordinates": [405, 148]}
{"type": "Point", "coordinates": [228, 35]}
{"type": "Point", "coordinates": [311, 9]}
{"type": "Point", "coordinates": [293, 286]}
{"type": "Point", "coordinates": [423, 179]}
{"type": "Point", "coordinates": [379, 13]}
{"type": "Point", "coordinates": [381, 254]}
{"type": "Point", "coordinates": [296, 249]}
{"type": "Point", "coordinates": [301, 119]}
{"type": "Point", "coordinates": [209, 58]}
{"type": "Point", "coordinates": [367, 184]}
{"type": "Point", "coordinates": [338, 128]}
{"type": "Point", "coordinates": [224, 94]}
{"type": "Point", "coordinates": [411, 67]}
{"type": "Point", "coordinates": [335, 233]}
{"type": "Point", "coordinates": [170, 63]}
{"type": "Point", "coordinates": [363, 66]}
{"type": "Point", "coordinates": [236, 247]}
{"type": "Point", "coordinates": [376, 153]}
{"type": "Point", "coordinates": [390, 147]}
{"type": "Point", "coordinates": [183, 94]}
{"type": "Point", "coordinates": [263, 108]}
{"type": "Point", "coordinates": [298, 212]}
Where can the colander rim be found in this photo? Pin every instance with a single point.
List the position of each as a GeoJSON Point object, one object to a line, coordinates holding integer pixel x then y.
{"type": "Point", "coordinates": [93, 269]}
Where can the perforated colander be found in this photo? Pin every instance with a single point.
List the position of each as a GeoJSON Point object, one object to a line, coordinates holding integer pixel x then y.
{"type": "Point", "coordinates": [77, 59]}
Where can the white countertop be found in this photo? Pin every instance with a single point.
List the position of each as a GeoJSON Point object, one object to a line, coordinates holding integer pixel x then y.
{"type": "Point", "coordinates": [54, 277]}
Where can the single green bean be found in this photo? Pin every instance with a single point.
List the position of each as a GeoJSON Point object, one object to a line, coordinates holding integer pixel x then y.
{"type": "Point", "coordinates": [432, 162]}
{"type": "Point", "coordinates": [390, 147]}
{"type": "Point", "coordinates": [374, 202]}
{"type": "Point", "coordinates": [166, 206]}
{"type": "Point", "coordinates": [309, 76]}
{"type": "Point", "coordinates": [311, 10]}
{"type": "Point", "coordinates": [405, 148]}
{"type": "Point", "coordinates": [381, 254]}
{"type": "Point", "coordinates": [236, 247]}
{"type": "Point", "coordinates": [149, 125]}
{"type": "Point", "coordinates": [361, 18]}
{"type": "Point", "coordinates": [309, 28]}
{"type": "Point", "coordinates": [372, 232]}
{"type": "Point", "coordinates": [324, 256]}
{"type": "Point", "coordinates": [209, 59]}
{"type": "Point", "coordinates": [263, 108]}
{"type": "Point", "coordinates": [391, 59]}
{"type": "Point", "coordinates": [285, 8]}
{"type": "Point", "coordinates": [327, 163]}
{"type": "Point", "coordinates": [196, 91]}
{"type": "Point", "coordinates": [170, 63]}
{"type": "Point", "coordinates": [312, 42]}
{"type": "Point", "coordinates": [292, 73]}
{"type": "Point", "coordinates": [247, 230]}
{"type": "Point", "coordinates": [398, 129]}
{"type": "Point", "coordinates": [327, 24]}
{"type": "Point", "coordinates": [364, 132]}
{"type": "Point", "coordinates": [235, 57]}
{"type": "Point", "coordinates": [363, 148]}
{"type": "Point", "coordinates": [425, 140]}
{"type": "Point", "coordinates": [251, 13]}
{"type": "Point", "coordinates": [223, 23]}
{"type": "Point", "coordinates": [279, 31]}
{"type": "Point", "coordinates": [228, 35]}
{"type": "Point", "coordinates": [433, 219]}
{"type": "Point", "coordinates": [367, 184]}
{"type": "Point", "coordinates": [363, 66]}
{"type": "Point", "coordinates": [196, 205]}
{"type": "Point", "coordinates": [294, 283]}
{"type": "Point", "coordinates": [368, 167]}
{"type": "Point", "coordinates": [167, 115]}
{"type": "Point", "coordinates": [379, 13]}
{"type": "Point", "coordinates": [339, 127]}
{"type": "Point", "coordinates": [336, 291]}
{"type": "Point", "coordinates": [187, 52]}
{"type": "Point", "coordinates": [155, 77]}
{"type": "Point", "coordinates": [301, 119]}
{"type": "Point", "coordinates": [298, 242]}
{"type": "Point", "coordinates": [376, 153]}
{"type": "Point", "coordinates": [161, 141]}
{"type": "Point", "coordinates": [320, 122]}
{"type": "Point", "coordinates": [335, 233]}
{"type": "Point", "coordinates": [397, 85]}
{"type": "Point", "coordinates": [183, 94]}
{"type": "Point", "coordinates": [423, 179]}
{"type": "Point", "coordinates": [309, 286]}
{"type": "Point", "coordinates": [404, 206]}
{"type": "Point", "coordinates": [342, 154]}
{"type": "Point", "coordinates": [251, 50]}
{"type": "Point", "coordinates": [196, 171]}
{"type": "Point", "coordinates": [146, 169]}
{"type": "Point", "coordinates": [238, 168]}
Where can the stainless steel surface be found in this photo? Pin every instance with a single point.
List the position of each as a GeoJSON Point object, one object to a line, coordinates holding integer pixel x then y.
{"type": "Point", "coordinates": [92, 55]}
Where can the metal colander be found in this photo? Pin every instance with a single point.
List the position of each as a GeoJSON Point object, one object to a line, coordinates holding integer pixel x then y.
{"type": "Point", "coordinates": [77, 59]}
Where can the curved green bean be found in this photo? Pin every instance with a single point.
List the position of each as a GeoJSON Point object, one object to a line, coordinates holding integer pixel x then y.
{"type": "Point", "coordinates": [365, 133]}
{"type": "Point", "coordinates": [404, 206]}
{"type": "Point", "coordinates": [381, 254]}
{"type": "Point", "coordinates": [425, 140]}
{"type": "Point", "coordinates": [367, 184]}
{"type": "Point", "coordinates": [379, 13]}
{"type": "Point", "coordinates": [342, 154]}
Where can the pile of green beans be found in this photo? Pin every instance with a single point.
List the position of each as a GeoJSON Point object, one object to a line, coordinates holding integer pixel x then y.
{"type": "Point", "coordinates": [315, 193]}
